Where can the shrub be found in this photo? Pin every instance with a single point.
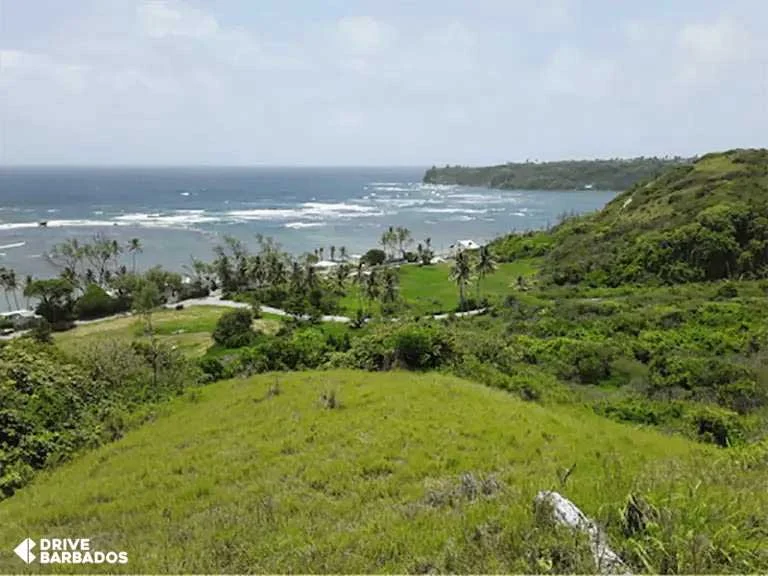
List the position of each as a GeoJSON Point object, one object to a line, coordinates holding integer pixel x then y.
{"type": "Point", "coordinates": [234, 329]}
{"type": "Point", "coordinates": [420, 347]}
{"type": "Point", "coordinates": [96, 303]}
{"type": "Point", "coordinates": [374, 257]}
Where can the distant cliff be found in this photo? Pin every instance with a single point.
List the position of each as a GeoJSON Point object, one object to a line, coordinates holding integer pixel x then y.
{"type": "Point", "coordinates": [616, 174]}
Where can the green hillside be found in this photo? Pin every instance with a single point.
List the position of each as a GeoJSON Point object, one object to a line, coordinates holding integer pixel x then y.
{"type": "Point", "coordinates": [357, 472]}
{"type": "Point", "coordinates": [702, 222]}
{"type": "Point", "coordinates": [616, 174]}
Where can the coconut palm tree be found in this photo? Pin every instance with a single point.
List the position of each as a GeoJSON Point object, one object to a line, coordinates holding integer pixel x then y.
{"type": "Point", "coordinates": [4, 285]}
{"type": "Point", "coordinates": [389, 287]}
{"type": "Point", "coordinates": [333, 253]}
{"type": "Point", "coordinates": [297, 277]}
{"type": "Point", "coordinates": [340, 275]}
{"type": "Point", "coordinates": [485, 265]}
{"type": "Point", "coordinates": [134, 247]}
{"type": "Point", "coordinates": [372, 285]}
{"type": "Point", "coordinates": [311, 277]}
{"type": "Point", "coordinates": [321, 252]}
{"type": "Point", "coordinates": [403, 238]}
{"type": "Point", "coordinates": [27, 281]}
{"type": "Point", "coordinates": [343, 253]}
{"type": "Point", "coordinates": [460, 273]}
{"type": "Point", "coordinates": [13, 285]}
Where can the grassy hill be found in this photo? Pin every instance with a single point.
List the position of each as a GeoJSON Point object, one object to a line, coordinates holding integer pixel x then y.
{"type": "Point", "coordinates": [264, 475]}
{"type": "Point", "coordinates": [616, 174]}
{"type": "Point", "coordinates": [701, 222]}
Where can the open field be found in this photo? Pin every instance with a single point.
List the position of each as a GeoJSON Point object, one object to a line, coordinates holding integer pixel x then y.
{"type": "Point", "coordinates": [429, 289]}
{"type": "Point", "coordinates": [233, 478]}
{"type": "Point", "coordinates": [190, 329]}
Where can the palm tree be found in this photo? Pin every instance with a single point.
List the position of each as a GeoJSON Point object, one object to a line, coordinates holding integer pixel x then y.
{"type": "Point", "coordinates": [485, 265]}
{"type": "Point", "coordinates": [134, 246]}
{"type": "Point", "coordinates": [343, 253]}
{"type": "Point", "coordinates": [372, 285]}
{"type": "Point", "coordinates": [297, 277]}
{"type": "Point", "coordinates": [27, 282]}
{"type": "Point", "coordinates": [340, 276]}
{"type": "Point", "coordinates": [359, 281]}
{"type": "Point", "coordinates": [276, 270]}
{"type": "Point", "coordinates": [13, 285]}
{"type": "Point", "coordinates": [403, 238]}
{"type": "Point", "coordinates": [333, 253]}
{"type": "Point", "coordinates": [389, 287]}
{"type": "Point", "coordinates": [255, 271]}
{"type": "Point", "coordinates": [460, 273]}
{"type": "Point", "coordinates": [4, 284]}
{"type": "Point", "coordinates": [388, 240]}
{"type": "Point", "coordinates": [321, 252]}
{"type": "Point", "coordinates": [311, 277]}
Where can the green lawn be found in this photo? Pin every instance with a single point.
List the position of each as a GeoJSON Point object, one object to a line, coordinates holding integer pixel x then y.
{"type": "Point", "coordinates": [232, 478]}
{"type": "Point", "coordinates": [190, 329]}
{"type": "Point", "coordinates": [429, 290]}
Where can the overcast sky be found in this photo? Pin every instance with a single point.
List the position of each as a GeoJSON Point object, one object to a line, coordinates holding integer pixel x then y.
{"type": "Point", "coordinates": [381, 82]}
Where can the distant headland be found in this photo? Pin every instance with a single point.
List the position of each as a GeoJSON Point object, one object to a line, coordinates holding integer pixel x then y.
{"type": "Point", "coordinates": [614, 174]}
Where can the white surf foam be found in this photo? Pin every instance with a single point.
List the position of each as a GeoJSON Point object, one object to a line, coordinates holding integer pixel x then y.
{"type": "Point", "coordinates": [14, 245]}
{"type": "Point", "coordinates": [300, 225]}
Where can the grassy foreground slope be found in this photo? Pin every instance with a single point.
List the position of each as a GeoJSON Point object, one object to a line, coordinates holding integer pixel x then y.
{"type": "Point", "coordinates": [237, 478]}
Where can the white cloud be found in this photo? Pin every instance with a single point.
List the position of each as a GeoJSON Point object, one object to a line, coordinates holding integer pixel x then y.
{"type": "Point", "coordinates": [569, 72]}
{"type": "Point", "coordinates": [164, 18]}
{"type": "Point", "coordinates": [709, 48]}
{"type": "Point", "coordinates": [363, 34]}
{"type": "Point", "coordinates": [18, 66]}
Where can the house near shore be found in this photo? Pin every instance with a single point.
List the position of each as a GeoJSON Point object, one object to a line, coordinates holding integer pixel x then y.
{"type": "Point", "coordinates": [22, 319]}
{"type": "Point", "coordinates": [462, 245]}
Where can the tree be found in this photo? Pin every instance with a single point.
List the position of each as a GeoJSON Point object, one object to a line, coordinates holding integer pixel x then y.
{"type": "Point", "coordinates": [403, 238]}
{"type": "Point", "coordinates": [100, 254]}
{"type": "Point", "coordinates": [388, 240]}
{"type": "Point", "coordinates": [389, 287]}
{"type": "Point", "coordinates": [485, 265]}
{"type": "Point", "coordinates": [311, 277]}
{"type": "Point", "coordinates": [321, 252]}
{"type": "Point", "coordinates": [27, 281]}
{"type": "Point", "coordinates": [333, 253]}
{"type": "Point", "coordinates": [134, 247]}
{"type": "Point", "coordinates": [12, 284]}
{"type": "Point", "coordinates": [374, 257]}
{"type": "Point", "coordinates": [340, 275]}
{"type": "Point", "coordinates": [460, 273]}
{"type": "Point", "coordinates": [371, 286]}
{"type": "Point", "coordinates": [145, 302]}
{"type": "Point", "coordinates": [55, 299]}
{"type": "Point", "coordinates": [234, 329]}
{"type": "Point", "coordinates": [343, 253]}
{"type": "Point", "coordinates": [4, 284]}
{"type": "Point", "coordinates": [425, 252]}
{"type": "Point", "coordinates": [67, 257]}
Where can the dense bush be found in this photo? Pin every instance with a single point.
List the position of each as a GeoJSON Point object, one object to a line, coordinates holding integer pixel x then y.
{"type": "Point", "coordinates": [52, 405]}
{"type": "Point", "coordinates": [234, 329]}
{"type": "Point", "coordinates": [96, 303]}
{"type": "Point", "coordinates": [374, 257]}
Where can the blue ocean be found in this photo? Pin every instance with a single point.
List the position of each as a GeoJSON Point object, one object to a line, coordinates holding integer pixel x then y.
{"type": "Point", "coordinates": [180, 213]}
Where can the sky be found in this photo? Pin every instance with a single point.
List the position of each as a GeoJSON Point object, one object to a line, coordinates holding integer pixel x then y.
{"type": "Point", "coordinates": [386, 82]}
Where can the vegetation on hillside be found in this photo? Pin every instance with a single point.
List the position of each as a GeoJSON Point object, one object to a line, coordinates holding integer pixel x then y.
{"type": "Point", "coordinates": [702, 222]}
{"type": "Point", "coordinates": [615, 174]}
